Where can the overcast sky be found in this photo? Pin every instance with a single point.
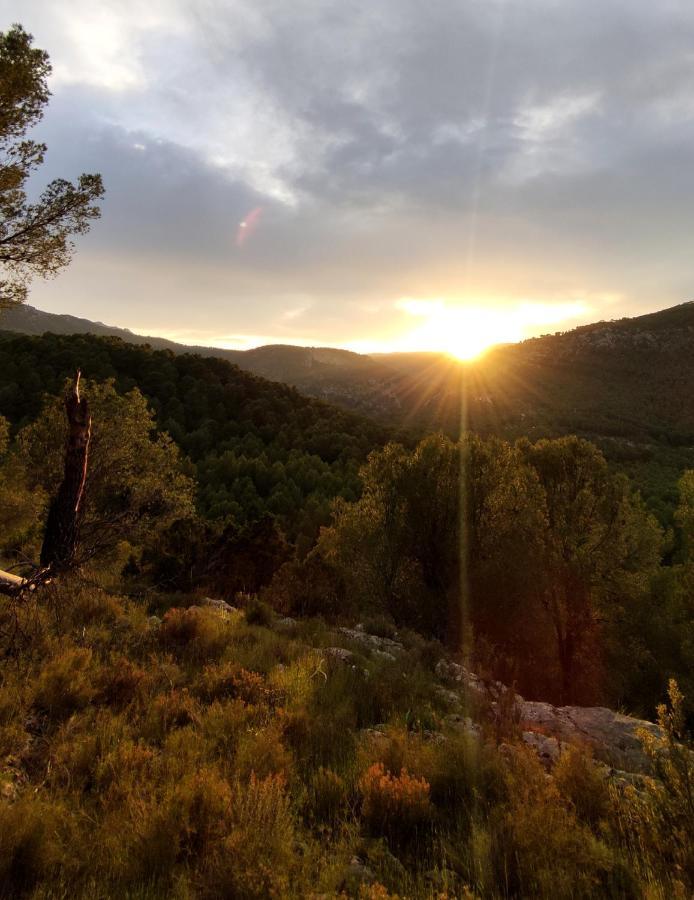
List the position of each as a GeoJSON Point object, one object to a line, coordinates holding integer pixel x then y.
{"type": "Point", "coordinates": [329, 172]}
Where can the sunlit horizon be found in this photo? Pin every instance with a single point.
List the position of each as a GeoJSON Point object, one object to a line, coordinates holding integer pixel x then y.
{"type": "Point", "coordinates": [464, 331]}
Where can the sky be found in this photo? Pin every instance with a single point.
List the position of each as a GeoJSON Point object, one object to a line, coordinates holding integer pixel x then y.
{"type": "Point", "coordinates": [371, 174]}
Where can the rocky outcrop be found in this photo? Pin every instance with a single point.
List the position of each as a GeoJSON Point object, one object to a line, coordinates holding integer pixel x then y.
{"type": "Point", "coordinates": [611, 737]}
{"type": "Point", "coordinates": [220, 606]}
{"type": "Point", "coordinates": [380, 646]}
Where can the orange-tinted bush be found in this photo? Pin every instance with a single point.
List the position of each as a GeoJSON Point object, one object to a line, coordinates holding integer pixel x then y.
{"type": "Point", "coordinates": [197, 632]}
{"type": "Point", "coordinates": [231, 681]}
{"type": "Point", "coordinates": [167, 711]}
{"type": "Point", "coordinates": [394, 803]}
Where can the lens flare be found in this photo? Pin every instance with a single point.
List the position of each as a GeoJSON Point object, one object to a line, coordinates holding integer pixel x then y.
{"type": "Point", "coordinates": [248, 225]}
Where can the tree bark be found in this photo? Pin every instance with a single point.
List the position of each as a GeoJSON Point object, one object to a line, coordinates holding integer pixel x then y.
{"type": "Point", "coordinates": [61, 535]}
{"type": "Point", "coordinates": [64, 516]}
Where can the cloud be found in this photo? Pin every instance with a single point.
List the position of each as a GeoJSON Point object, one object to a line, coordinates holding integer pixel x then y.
{"type": "Point", "coordinates": [475, 150]}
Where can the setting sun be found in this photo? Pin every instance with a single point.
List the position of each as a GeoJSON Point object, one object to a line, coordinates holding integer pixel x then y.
{"type": "Point", "coordinates": [467, 331]}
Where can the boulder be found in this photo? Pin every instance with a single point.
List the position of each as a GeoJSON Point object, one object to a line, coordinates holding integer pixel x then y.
{"type": "Point", "coordinates": [372, 642]}
{"type": "Point", "coordinates": [611, 736]}
{"type": "Point", "coordinates": [483, 689]}
{"type": "Point", "coordinates": [340, 654]}
{"type": "Point", "coordinates": [221, 606]}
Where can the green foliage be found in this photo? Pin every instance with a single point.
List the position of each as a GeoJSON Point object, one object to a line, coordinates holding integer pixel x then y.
{"type": "Point", "coordinates": [259, 449]}
{"type": "Point", "coordinates": [598, 548]}
{"type": "Point", "coordinates": [536, 550]}
{"type": "Point", "coordinates": [21, 508]}
{"type": "Point", "coordinates": [684, 516]}
{"type": "Point", "coordinates": [35, 238]}
{"type": "Point", "coordinates": [135, 486]}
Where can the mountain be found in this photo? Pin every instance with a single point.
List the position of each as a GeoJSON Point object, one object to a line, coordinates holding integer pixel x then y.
{"type": "Point", "coordinates": [626, 384]}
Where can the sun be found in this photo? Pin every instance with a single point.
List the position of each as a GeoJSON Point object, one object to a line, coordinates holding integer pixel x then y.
{"type": "Point", "coordinates": [464, 332]}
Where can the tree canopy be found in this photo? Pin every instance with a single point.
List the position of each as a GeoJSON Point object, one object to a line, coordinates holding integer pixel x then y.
{"type": "Point", "coordinates": [35, 237]}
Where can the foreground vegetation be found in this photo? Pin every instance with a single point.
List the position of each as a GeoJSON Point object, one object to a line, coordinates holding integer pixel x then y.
{"type": "Point", "coordinates": [208, 754]}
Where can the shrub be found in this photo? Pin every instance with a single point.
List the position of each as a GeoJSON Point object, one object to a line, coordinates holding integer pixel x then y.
{"type": "Point", "coordinates": [231, 681]}
{"type": "Point", "coordinates": [80, 746]}
{"type": "Point", "coordinates": [538, 847]}
{"type": "Point", "coordinates": [258, 613]}
{"type": "Point", "coordinates": [584, 785]}
{"type": "Point", "coordinates": [327, 796]}
{"type": "Point", "coordinates": [66, 683]}
{"type": "Point", "coordinates": [167, 711]}
{"type": "Point", "coordinates": [394, 804]}
{"type": "Point", "coordinates": [196, 632]}
{"type": "Point", "coordinates": [660, 822]}
{"type": "Point", "coordinates": [257, 858]}
{"type": "Point", "coordinates": [262, 754]}
{"type": "Point", "coordinates": [186, 824]}
{"type": "Point", "coordinates": [120, 682]}
{"type": "Point", "coordinates": [29, 849]}
{"type": "Point", "coordinates": [223, 724]}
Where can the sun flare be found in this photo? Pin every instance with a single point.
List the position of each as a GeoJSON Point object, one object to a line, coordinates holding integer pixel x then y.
{"type": "Point", "coordinates": [468, 331]}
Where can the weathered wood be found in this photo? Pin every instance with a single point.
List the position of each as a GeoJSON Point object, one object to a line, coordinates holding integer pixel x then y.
{"type": "Point", "coordinates": [64, 516]}
{"type": "Point", "coordinates": [10, 582]}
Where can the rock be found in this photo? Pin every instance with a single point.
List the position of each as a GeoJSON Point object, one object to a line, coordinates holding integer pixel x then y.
{"type": "Point", "coordinates": [377, 734]}
{"type": "Point", "coordinates": [612, 737]}
{"type": "Point", "coordinates": [285, 622]}
{"type": "Point", "coordinates": [463, 725]}
{"type": "Point", "coordinates": [452, 698]}
{"type": "Point", "coordinates": [154, 622]}
{"type": "Point", "coordinates": [454, 673]}
{"type": "Point", "coordinates": [358, 873]}
{"type": "Point", "coordinates": [548, 749]}
{"type": "Point", "coordinates": [220, 606]}
{"type": "Point", "coordinates": [372, 642]}
{"type": "Point", "coordinates": [339, 653]}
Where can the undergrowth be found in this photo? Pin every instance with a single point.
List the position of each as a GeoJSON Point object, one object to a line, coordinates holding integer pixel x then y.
{"type": "Point", "coordinates": [216, 756]}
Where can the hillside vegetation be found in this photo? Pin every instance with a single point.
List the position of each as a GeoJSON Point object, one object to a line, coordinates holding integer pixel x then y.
{"type": "Point", "coordinates": [625, 385]}
{"type": "Point", "coordinates": [156, 741]}
{"type": "Point", "coordinates": [212, 753]}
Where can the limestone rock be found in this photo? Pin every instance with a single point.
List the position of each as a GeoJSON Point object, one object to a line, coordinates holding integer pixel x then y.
{"type": "Point", "coordinates": [339, 653]}
{"type": "Point", "coordinates": [611, 736]}
{"type": "Point", "coordinates": [372, 642]}
{"type": "Point", "coordinates": [220, 606]}
{"type": "Point", "coordinates": [454, 673]}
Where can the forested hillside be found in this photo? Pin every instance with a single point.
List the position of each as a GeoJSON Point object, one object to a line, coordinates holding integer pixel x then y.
{"type": "Point", "coordinates": [259, 449]}
{"type": "Point", "coordinates": [625, 385]}
{"type": "Point", "coordinates": [190, 745]}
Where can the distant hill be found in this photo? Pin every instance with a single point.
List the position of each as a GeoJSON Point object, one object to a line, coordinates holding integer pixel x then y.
{"type": "Point", "coordinates": [259, 448]}
{"type": "Point", "coordinates": [351, 380]}
{"type": "Point", "coordinates": [627, 384]}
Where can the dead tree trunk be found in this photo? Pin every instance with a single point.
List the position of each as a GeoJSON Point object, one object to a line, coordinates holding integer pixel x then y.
{"type": "Point", "coordinates": [59, 550]}
{"type": "Point", "coordinates": [62, 526]}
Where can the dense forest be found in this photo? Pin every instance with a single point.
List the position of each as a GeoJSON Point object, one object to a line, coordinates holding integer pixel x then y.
{"type": "Point", "coordinates": [258, 449]}
{"type": "Point", "coordinates": [624, 385]}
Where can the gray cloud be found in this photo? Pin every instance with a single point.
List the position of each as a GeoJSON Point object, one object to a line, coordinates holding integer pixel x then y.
{"type": "Point", "coordinates": [474, 149]}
